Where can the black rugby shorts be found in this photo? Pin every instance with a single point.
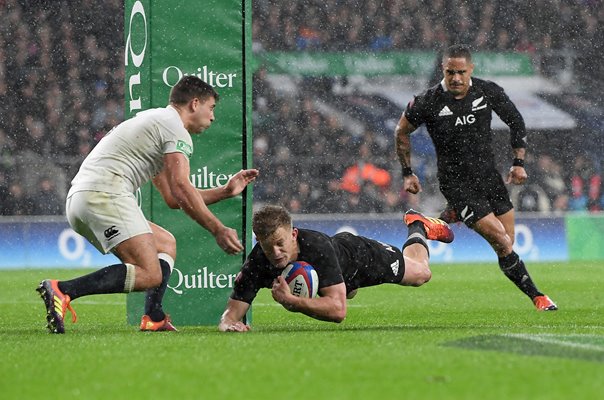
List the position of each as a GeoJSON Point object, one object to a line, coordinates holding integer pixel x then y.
{"type": "Point", "coordinates": [474, 200]}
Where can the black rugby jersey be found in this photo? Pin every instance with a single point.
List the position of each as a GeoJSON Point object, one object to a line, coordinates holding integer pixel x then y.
{"type": "Point", "coordinates": [461, 128]}
{"type": "Point", "coordinates": [355, 260]}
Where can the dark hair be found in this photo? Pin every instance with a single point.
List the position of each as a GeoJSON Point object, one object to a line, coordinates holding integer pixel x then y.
{"type": "Point", "coordinates": [190, 87]}
{"type": "Point", "coordinates": [458, 51]}
{"type": "Point", "coordinates": [268, 219]}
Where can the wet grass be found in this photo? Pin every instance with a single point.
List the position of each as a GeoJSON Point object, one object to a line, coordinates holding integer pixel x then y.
{"type": "Point", "coordinates": [468, 334]}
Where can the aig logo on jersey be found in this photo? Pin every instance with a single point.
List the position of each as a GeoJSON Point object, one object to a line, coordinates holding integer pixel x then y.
{"type": "Point", "coordinates": [465, 120]}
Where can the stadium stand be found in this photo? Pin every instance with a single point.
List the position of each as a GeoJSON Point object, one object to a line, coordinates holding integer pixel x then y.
{"type": "Point", "coordinates": [562, 39]}
{"type": "Point", "coordinates": [61, 89]}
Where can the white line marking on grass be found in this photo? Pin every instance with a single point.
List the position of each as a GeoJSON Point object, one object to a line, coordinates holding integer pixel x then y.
{"type": "Point", "coordinates": [101, 303]}
{"type": "Point", "coordinates": [275, 304]}
{"type": "Point", "coordinates": [266, 304]}
{"type": "Point", "coordinates": [75, 302]}
{"type": "Point", "coordinates": [549, 339]}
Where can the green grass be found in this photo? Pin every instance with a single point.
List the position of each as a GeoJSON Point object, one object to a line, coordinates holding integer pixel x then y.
{"type": "Point", "coordinates": [468, 334]}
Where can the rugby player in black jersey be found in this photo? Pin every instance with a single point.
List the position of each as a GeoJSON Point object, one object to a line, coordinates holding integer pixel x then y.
{"type": "Point", "coordinates": [457, 115]}
{"type": "Point", "coordinates": [344, 263]}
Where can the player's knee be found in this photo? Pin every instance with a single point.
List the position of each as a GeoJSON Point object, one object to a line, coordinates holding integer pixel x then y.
{"type": "Point", "coordinates": [427, 275]}
{"type": "Point", "coordinates": [423, 276]}
{"type": "Point", "coordinates": [154, 277]}
{"type": "Point", "coordinates": [164, 240]}
{"type": "Point", "coordinates": [502, 245]}
{"type": "Point", "coordinates": [166, 244]}
{"type": "Point", "coordinates": [418, 277]}
{"type": "Point", "coordinates": [499, 240]}
{"type": "Point", "coordinates": [416, 273]}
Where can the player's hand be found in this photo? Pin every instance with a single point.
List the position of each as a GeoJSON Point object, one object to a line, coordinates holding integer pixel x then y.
{"type": "Point", "coordinates": [235, 327]}
{"type": "Point", "coordinates": [517, 175]}
{"type": "Point", "coordinates": [411, 184]}
{"type": "Point", "coordinates": [281, 292]}
{"type": "Point", "coordinates": [228, 241]}
{"type": "Point", "coordinates": [239, 181]}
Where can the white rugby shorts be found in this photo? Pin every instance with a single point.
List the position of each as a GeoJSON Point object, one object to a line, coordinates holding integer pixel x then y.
{"type": "Point", "coordinates": [105, 219]}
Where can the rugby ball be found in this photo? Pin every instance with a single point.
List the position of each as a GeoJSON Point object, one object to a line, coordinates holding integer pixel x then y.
{"type": "Point", "coordinates": [302, 279]}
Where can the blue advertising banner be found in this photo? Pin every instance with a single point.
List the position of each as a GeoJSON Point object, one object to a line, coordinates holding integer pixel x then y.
{"type": "Point", "coordinates": [537, 239]}
{"type": "Point", "coordinates": [46, 243]}
{"type": "Point", "coordinates": [51, 243]}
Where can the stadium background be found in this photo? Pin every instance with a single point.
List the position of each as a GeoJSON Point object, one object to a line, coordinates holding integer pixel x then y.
{"type": "Point", "coordinates": [61, 90]}
{"type": "Point", "coordinates": [450, 339]}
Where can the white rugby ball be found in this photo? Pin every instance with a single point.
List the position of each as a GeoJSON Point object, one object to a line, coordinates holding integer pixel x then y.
{"type": "Point", "coordinates": [302, 279]}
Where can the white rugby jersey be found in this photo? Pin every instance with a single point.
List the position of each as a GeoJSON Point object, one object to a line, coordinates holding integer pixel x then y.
{"type": "Point", "coordinates": [132, 152]}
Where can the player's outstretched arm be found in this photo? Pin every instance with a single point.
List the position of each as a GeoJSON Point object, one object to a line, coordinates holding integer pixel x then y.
{"type": "Point", "coordinates": [175, 176]}
{"type": "Point", "coordinates": [236, 184]}
{"type": "Point", "coordinates": [331, 306]}
{"type": "Point", "coordinates": [231, 320]}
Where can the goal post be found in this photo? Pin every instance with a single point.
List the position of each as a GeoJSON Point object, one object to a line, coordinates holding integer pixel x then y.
{"type": "Point", "coordinates": [165, 40]}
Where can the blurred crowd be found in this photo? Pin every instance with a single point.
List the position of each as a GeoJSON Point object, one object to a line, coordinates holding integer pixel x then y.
{"type": "Point", "coordinates": [543, 28]}
{"type": "Point", "coordinates": [328, 159]}
{"type": "Point", "coordinates": [311, 164]}
{"type": "Point", "coordinates": [61, 90]}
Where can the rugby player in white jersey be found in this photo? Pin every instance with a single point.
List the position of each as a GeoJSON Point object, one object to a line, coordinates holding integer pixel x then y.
{"type": "Point", "coordinates": [101, 205]}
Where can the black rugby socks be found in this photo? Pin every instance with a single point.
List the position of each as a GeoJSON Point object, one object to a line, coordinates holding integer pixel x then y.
{"type": "Point", "coordinates": [513, 267]}
{"type": "Point", "coordinates": [153, 298]}
{"type": "Point", "coordinates": [103, 281]}
{"type": "Point", "coordinates": [417, 234]}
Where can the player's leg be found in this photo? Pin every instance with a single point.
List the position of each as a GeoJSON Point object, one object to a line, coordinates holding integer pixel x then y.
{"type": "Point", "coordinates": [477, 208]}
{"type": "Point", "coordinates": [108, 222]}
{"type": "Point", "coordinates": [497, 231]}
{"type": "Point", "coordinates": [415, 249]}
{"type": "Point", "coordinates": [542, 301]}
{"type": "Point", "coordinates": [508, 220]}
{"type": "Point", "coordinates": [113, 223]}
{"type": "Point", "coordinates": [417, 267]}
{"type": "Point", "coordinates": [155, 319]}
{"type": "Point", "coordinates": [138, 271]}
{"type": "Point", "coordinates": [449, 215]}
{"type": "Point", "coordinates": [435, 229]}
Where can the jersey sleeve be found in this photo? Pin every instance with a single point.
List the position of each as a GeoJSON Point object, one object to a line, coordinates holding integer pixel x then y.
{"type": "Point", "coordinates": [415, 111]}
{"type": "Point", "coordinates": [331, 274]}
{"type": "Point", "coordinates": [250, 280]}
{"type": "Point", "coordinates": [176, 139]}
{"type": "Point", "coordinates": [317, 250]}
{"type": "Point", "coordinates": [509, 114]}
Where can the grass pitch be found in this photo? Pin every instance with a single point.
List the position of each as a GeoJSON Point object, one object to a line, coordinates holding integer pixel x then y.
{"type": "Point", "coordinates": [467, 334]}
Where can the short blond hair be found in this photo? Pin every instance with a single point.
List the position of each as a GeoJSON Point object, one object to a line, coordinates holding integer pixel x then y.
{"type": "Point", "coordinates": [268, 219]}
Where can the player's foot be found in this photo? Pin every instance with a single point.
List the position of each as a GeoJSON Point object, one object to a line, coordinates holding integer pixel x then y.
{"type": "Point", "coordinates": [56, 304]}
{"type": "Point", "coordinates": [147, 325]}
{"type": "Point", "coordinates": [544, 303]}
{"type": "Point", "coordinates": [449, 215]}
{"type": "Point", "coordinates": [436, 229]}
